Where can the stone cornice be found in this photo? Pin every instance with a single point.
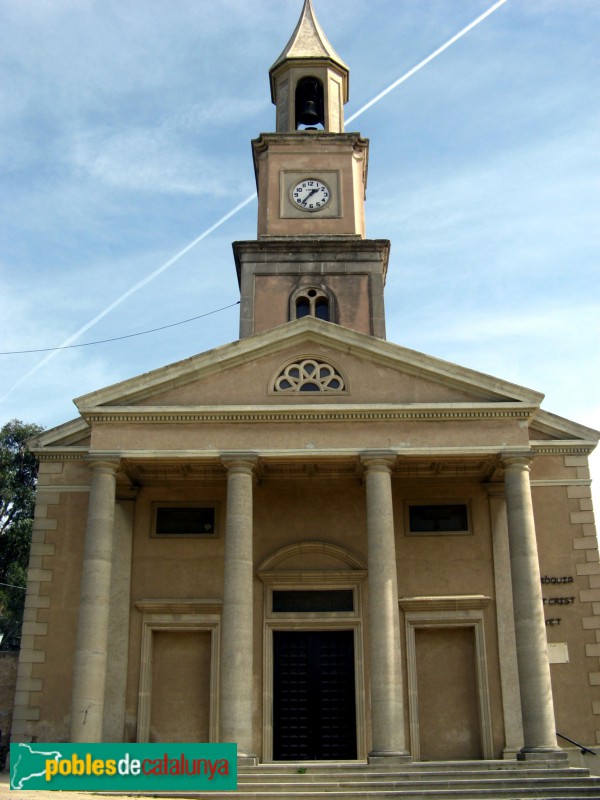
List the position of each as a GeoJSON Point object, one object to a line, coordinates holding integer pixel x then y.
{"type": "Point", "coordinates": [177, 606]}
{"type": "Point", "coordinates": [417, 412]}
{"type": "Point", "coordinates": [466, 602]}
{"type": "Point", "coordinates": [541, 448]}
{"type": "Point", "coordinates": [565, 447]}
{"type": "Point", "coordinates": [66, 435]}
{"type": "Point", "coordinates": [289, 247]}
{"type": "Point", "coordinates": [64, 453]}
{"type": "Point", "coordinates": [355, 254]}
{"type": "Point", "coordinates": [312, 454]}
{"type": "Point", "coordinates": [561, 428]}
{"type": "Point", "coordinates": [297, 140]}
{"type": "Point", "coordinates": [303, 578]}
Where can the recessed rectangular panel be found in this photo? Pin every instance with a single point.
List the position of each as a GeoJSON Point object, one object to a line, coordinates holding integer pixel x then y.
{"type": "Point", "coordinates": [185, 520]}
{"type": "Point", "coordinates": [180, 706]}
{"type": "Point", "coordinates": [438, 518]}
{"type": "Point", "coordinates": [318, 600]}
{"type": "Point", "coordinates": [447, 694]}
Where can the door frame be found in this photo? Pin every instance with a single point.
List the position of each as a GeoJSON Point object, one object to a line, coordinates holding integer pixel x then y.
{"type": "Point", "coordinates": [314, 621]}
{"type": "Point", "coordinates": [457, 611]}
{"type": "Point", "coordinates": [176, 616]}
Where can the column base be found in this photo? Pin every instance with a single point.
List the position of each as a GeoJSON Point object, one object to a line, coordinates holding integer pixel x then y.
{"type": "Point", "coordinates": [244, 760]}
{"type": "Point", "coordinates": [510, 753]}
{"type": "Point", "coordinates": [554, 754]}
{"type": "Point", "coordinates": [388, 757]}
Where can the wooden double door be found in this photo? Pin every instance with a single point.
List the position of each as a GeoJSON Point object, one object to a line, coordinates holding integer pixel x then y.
{"type": "Point", "coordinates": [314, 708]}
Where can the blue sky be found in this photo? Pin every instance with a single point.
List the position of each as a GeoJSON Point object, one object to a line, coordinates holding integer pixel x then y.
{"type": "Point", "coordinates": [125, 133]}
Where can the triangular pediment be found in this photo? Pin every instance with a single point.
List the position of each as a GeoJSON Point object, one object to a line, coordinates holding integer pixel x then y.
{"type": "Point", "coordinates": [74, 436]}
{"type": "Point", "coordinates": [373, 371]}
{"type": "Point", "coordinates": [381, 380]}
{"type": "Point", "coordinates": [546, 427]}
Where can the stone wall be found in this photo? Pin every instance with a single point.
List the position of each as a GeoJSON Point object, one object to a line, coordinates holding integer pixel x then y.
{"type": "Point", "coordinates": [8, 679]}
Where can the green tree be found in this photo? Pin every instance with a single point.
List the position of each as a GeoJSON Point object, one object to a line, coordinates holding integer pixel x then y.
{"type": "Point", "coordinates": [18, 478]}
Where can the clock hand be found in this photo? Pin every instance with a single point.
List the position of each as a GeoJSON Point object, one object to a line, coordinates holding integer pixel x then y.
{"type": "Point", "coordinates": [309, 195]}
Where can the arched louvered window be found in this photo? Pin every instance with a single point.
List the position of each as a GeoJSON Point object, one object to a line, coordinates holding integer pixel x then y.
{"type": "Point", "coordinates": [309, 104]}
{"type": "Point", "coordinates": [302, 307]}
{"type": "Point", "coordinates": [312, 301]}
{"type": "Point", "coordinates": [322, 308]}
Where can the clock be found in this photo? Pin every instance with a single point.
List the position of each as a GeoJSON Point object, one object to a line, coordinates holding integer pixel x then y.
{"type": "Point", "coordinates": [310, 194]}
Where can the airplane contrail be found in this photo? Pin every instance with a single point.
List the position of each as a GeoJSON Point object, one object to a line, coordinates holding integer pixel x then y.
{"type": "Point", "coordinates": [149, 278]}
{"type": "Point", "coordinates": [426, 61]}
{"type": "Point", "coordinates": [132, 290]}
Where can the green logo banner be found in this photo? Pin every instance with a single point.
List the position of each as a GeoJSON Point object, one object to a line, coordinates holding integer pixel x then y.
{"type": "Point", "coordinates": [124, 767]}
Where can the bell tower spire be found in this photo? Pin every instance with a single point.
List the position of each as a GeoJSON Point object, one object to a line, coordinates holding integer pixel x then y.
{"type": "Point", "coordinates": [311, 256]}
{"type": "Point", "coordinates": [309, 81]}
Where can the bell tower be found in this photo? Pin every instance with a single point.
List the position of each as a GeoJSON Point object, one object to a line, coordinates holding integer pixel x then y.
{"type": "Point", "coordinates": [309, 81]}
{"type": "Point", "coordinates": [311, 257]}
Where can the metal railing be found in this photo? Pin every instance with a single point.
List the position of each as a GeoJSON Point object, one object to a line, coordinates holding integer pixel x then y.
{"type": "Point", "coordinates": [582, 747]}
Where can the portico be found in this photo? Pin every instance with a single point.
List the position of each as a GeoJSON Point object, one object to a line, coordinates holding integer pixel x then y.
{"type": "Point", "coordinates": [381, 482]}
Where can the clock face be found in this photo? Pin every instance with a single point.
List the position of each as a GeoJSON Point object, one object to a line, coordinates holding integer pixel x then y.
{"type": "Point", "coordinates": [310, 195]}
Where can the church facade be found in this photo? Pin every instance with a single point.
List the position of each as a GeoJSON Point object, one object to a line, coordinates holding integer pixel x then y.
{"type": "Point", "coordinates": [314, 542]}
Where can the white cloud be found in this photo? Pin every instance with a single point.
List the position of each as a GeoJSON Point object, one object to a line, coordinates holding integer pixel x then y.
{"type": "Point", "coordinates": [535, 325]}
{"type": "Point", "coordinates": [149, 160]}
{"type": "Point", "coordinates": [219, 112]}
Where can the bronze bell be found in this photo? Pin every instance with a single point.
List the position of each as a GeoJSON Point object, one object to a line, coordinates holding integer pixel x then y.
{"type": "Point", "coordinates": [309, 102]}
{"type": "Point", "coordinates": [308, 113]}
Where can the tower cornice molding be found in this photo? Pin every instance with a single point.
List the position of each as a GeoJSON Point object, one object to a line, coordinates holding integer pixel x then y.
{"type": "Point", "coordinates": [298, 137]}
{"type": "Point", "coordinates": [313, 244]}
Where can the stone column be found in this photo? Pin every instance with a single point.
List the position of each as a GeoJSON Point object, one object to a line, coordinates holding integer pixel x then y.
{"type": "Point", "coordinates": [387, 706]}
{"type": "Point", "coordinates": [113, 729]}
{"type": "Point", "coordinates": [89, 673]}
{"type": "Point", "coordinates": [505, 620]}
{"type": "Point", "coordinates": [236, 665]}
{"type": "Point", "coordinates": [539, 731]}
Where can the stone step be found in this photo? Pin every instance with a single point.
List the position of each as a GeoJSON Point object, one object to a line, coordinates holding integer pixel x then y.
{"type": "Point", "coordinates": [407, 785]}
{"type": "Point", "coordinates": [398, 786]}
{"type": "Point", "coordinates": [412, 775]}
{"type": "Point", "coordinates": [500, 780]}
{"type": "Point", "coordinates": [415, 767]}
{"type": "Point", "coordinates": [413, 793]}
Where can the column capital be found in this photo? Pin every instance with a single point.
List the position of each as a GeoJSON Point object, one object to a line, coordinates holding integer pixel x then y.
{"type": "Point", "coordinates": [520, 460]}
{"type": "Point", "coordinates": [243, 462]}
{"type": "Point", "coordinates": [377, 460]}
{"type": "Point", "coordinates": [104, 463]}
